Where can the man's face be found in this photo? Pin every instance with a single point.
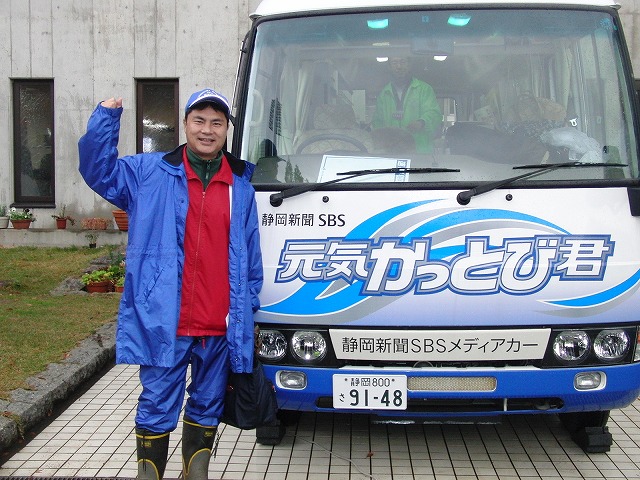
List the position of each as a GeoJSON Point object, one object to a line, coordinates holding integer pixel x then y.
{"type": "Point", "coordinates": [399, 67]}
{"type": "Point", "coordinates": [206, 132]}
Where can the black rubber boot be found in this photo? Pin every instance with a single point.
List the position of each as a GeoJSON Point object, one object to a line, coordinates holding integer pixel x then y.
{"type": "Point", "coordinates": [152, 449]}
{"type": "Point", "coordinates": [197, 443]}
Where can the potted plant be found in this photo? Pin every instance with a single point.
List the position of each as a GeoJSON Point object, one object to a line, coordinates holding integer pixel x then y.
{"type": "Point", "coordinates": [62, 218]}
{"type": "Point", "coordinates": [93, 224]}
{"type": "Point", "coordinates": [92, 237]}
{"type": "Point", "coordinates": [4, 217]}
{"type": "Point", "coordinates": [21, 219]}
{"type": "Point", "coordinates": [119, 284]}
{"type": "Point", "coordinates": [98, 281]}
{"type": "Point", "coordinates": [117, 270]}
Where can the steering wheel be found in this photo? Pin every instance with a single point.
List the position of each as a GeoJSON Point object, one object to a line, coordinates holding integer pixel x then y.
{"type": "Point", "coordinates": [331, 136]}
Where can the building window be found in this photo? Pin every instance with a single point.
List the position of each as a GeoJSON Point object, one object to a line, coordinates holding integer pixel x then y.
{"type": "Point", "coordinates": [33, 141]}
{"type": "Point", "coordinates": [157, 115]}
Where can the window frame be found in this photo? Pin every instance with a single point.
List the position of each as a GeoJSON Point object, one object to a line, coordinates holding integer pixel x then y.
{"type": "Point", "coordinates": [21, 200]}
{"type": "Point", "coordinates": [140, 84]}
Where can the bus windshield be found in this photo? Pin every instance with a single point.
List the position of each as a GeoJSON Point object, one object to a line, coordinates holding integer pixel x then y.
{"type": "Point", "coordinates": [472, 92]}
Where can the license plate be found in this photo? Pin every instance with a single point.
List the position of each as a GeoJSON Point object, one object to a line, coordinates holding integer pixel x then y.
{"type": "Point", "coordinates": [370, 392]}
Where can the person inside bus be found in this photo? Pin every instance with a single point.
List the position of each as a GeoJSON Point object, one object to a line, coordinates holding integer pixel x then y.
{"type": "Point", "coordinates": [409, 104]}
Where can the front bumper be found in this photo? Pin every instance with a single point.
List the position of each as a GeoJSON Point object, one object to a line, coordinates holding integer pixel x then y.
{"type": "Point", "coordinates": [518, 390]}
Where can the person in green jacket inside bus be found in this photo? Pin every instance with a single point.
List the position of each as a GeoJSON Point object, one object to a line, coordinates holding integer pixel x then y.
{"type": "Point", "coordinates": [410, 104]}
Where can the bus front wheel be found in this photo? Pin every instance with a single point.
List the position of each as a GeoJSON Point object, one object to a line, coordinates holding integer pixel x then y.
{"type": "Point", "coordinates": [272, 434]}
{"type": "Point", "coordinates": [589, 430]}
{"type": "Point", "coordinates": [575, 421]}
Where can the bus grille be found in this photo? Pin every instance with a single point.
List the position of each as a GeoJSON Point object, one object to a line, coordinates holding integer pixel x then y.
{"type": "Point", "coordinates": [452, 384]}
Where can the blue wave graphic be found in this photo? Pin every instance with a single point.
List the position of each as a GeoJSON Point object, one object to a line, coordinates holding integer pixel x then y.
{"type": "Point", "coordinates": [308, 299]}
{"type": "Point", "coordinates": [600, 297]}
{"type": "Point", "coordinates": [305, 300]}
{"type": "Point", "coordinates": [471, 216]}
{"type": "Point", "coordinates": [367, 228]}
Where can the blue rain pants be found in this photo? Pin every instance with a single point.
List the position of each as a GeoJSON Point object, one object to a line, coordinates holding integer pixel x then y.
{"type": "Point", "coordinates": [163, 388]}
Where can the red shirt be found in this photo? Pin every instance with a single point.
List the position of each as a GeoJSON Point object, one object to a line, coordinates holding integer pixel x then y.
{"type": "Point", "coordinates": [204, 304]}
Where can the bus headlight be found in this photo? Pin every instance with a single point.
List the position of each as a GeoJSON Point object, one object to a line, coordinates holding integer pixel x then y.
{"type": "Point", "coordinates": [571, 346]}
{"type": "Point", "coordinates": [611, 345]}
{"type": "Point", "coordinates": [291, 380]}
{"type": "Point", "coordinates": [308, 347]}
{"type": "Point", "coordinates": [589, 381]}
{"type": "Point", "coordinates": [274, 345]}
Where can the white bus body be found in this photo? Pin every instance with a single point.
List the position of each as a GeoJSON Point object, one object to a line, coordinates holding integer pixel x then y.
{"type": "Point", "coordinates": [485, 265]}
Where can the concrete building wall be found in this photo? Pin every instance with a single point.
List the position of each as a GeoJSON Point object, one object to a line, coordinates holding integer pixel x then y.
{"type": "Point", "coordinates": [97, 49]}
{"type": "Point", "coordinates": [630, 17]}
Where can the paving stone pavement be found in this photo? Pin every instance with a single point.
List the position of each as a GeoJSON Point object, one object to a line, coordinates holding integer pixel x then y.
{"type": "Point", "coordinates": [25, 409]}
{"type": "Point", "coordinates": [93, 437]}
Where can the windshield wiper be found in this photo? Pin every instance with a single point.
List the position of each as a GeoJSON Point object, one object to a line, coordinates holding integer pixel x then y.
{"type": "Point", "coordinates": [465, 197]}
{"type": "Point", "coordinates": [276, 198]}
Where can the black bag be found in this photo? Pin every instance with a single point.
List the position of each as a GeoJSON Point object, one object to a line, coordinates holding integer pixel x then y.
{"type": "Point", "coordinates": [250, 400]}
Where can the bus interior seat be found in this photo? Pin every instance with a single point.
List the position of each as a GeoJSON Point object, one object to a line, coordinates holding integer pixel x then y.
{"type": "Point", "coordinates": [496, 146]}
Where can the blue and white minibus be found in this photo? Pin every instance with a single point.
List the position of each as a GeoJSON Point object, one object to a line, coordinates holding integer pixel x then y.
{"type": "Point", "coordinates": [457, 240]}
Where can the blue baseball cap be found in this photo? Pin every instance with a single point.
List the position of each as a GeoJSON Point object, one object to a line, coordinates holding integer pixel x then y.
{"type": "Point", "coordinates": [208, 95]}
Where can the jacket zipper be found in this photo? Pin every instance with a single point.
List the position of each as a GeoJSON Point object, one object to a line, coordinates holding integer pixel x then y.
{"type": "Point", "coordinates": [195, 261]}
{"type": "Point", "coordinates": [207, 174]}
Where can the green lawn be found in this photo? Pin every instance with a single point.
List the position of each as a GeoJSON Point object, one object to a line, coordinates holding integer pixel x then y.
{"type": "Point", "coordinates": [37, 328]}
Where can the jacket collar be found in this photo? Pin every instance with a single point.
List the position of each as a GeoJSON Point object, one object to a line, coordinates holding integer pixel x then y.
{"type": "Point", "coordinates": [389, 88]}
{"type": "Point", "coordinates": [174, 158]}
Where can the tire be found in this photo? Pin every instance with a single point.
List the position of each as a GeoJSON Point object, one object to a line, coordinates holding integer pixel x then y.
{"type": "Point", "coordinates": [270, 434]}
{"type": "Point", "coordinates": [576, 421]}
{"type": "Point", "coordinates": [289, 417]}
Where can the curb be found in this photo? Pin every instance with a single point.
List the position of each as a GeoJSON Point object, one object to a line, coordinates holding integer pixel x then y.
{"type": "Point", "coordinates": [27, 408]}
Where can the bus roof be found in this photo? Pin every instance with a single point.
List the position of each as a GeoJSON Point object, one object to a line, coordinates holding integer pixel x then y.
{"type": "Point", "coordinates": [278, 7]}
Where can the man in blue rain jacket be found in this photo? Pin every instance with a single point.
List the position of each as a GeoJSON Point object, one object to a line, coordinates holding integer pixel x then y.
{"type": "Point", "coordinates": [193, 273]}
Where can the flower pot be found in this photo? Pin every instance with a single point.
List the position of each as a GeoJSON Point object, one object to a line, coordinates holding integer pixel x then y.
{"type": "Point", "coordinates": [99, 287]}
{"type": "Point", "coordinates": [61, 223]}
{"type": "Point", "coordinates": [21, 224]}
{"type": "Point", "coordinates": [94, 223]}
{"type": "Point", "coordinates": [119, 288]}
{"type": "Point", "coordinates": [4, 222]}
{"type": "Point", "coordinates": [122, 219]}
